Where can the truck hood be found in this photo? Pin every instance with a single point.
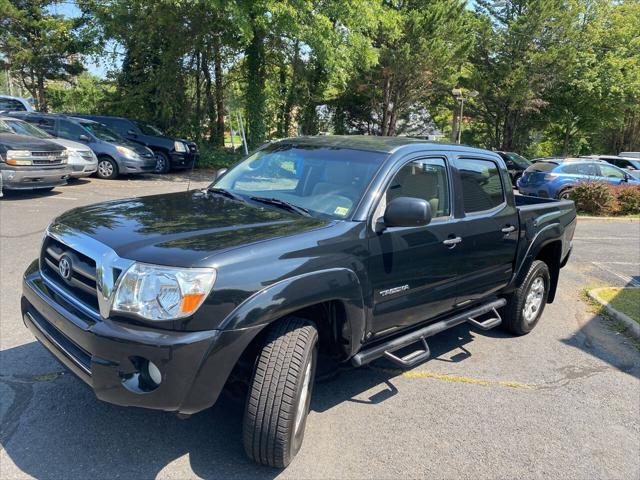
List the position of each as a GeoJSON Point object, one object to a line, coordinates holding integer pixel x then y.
{"type": "Point", "coordinates": [70, 144]}
{"type": "Point", "coordinates": [182, 229]}
{"type": "Point", "coordinates": [12, 141]}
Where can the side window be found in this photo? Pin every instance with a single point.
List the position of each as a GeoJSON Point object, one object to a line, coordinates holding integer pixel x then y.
{"type": "Point", "coordinates": [481, 185]}
{"type": "Point", "coordinates": [47, 124]}
{"type": "Point", "coordinates": [11, 104]}
{"type": "Point", "coordinates": [426, 179]}
{"type": "Point", "coordinates": [611, 172]}
{"type": "Point", "coordinates": [573, 169]}
{"type": "Point", "coordinates": [70, 130]}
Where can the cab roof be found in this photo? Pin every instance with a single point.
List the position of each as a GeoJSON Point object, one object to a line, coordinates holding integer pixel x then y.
{"type": "Point", "coordinates": [376, 144]}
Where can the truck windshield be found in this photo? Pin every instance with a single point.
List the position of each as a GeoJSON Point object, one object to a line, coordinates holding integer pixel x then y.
{"type": "Point", "coordinates": [24, 128]}
{"type": "Point", "coordinates": [324, 181]}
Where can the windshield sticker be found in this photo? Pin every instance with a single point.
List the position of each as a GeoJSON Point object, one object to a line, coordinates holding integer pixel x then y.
{"type": "Point", "coordinates": [342, 211]}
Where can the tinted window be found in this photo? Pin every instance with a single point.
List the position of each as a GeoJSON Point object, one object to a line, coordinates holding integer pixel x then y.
{"type": "Point", "coordinates": [481, 184]}
{"type": "Point", "coordinates": [102, 132]}
{"type": "Point", "coordinates": [70, 130]}
{"type": "Point", "coordinates": [425, 179]}
{"type": "Point", "coordinates": [517, 159]}
{"type": "Point", "coordinates": [542, 167]}
{"type": "Point", "coordinates": [611, 172]}
{"type": "Point", "coordinates": [11, 104]}
{"type": "Point", "coordinates": [149, 129]}
{"type": "Point", "coordinates": [46, 124]}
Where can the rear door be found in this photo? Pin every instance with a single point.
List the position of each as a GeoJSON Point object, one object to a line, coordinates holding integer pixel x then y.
{"type": "Point", "coordinates": [489, 228]}
{"type": "Point", "coordinates": [412, 272]}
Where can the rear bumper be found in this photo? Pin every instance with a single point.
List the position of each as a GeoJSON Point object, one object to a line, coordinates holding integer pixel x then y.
{"type": "Point", "coordinates": [29, 178]}
{"type": "Point", "coordinates": [107, 355]}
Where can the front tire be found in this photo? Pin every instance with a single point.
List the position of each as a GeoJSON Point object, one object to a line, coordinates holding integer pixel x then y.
{"type": "Point", "coordinates": [107, 168]}
{"type": "Point", "coordinates": [162, 163]}
{"type": "Point", "coordinates": [280, 392]}
{"type": "Point", "coordinates": [525, 306]}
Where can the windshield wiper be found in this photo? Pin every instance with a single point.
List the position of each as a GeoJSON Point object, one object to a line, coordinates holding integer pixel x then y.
{"type": "Point", "coordinates": [225, 193]}
{"type": "Point", "coordinates": [284, 204]}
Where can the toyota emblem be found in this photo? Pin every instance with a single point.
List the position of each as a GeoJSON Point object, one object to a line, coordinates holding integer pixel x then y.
{"type": "Point", "coordinates": [64, 267]}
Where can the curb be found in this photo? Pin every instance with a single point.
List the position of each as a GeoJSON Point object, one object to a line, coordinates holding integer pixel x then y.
{"type": "Point", "coordinates": [608, 219]}
{"type": "Point", "coordinates": [633, 327]}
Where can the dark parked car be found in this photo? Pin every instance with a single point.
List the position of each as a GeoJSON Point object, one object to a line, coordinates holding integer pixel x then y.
{"type": "Point", "coordinates": [516, 165]}
{"type": "Point", "coordinates": [171, 153]}
{"type": "Point", "coordinates": [350, 247]}
{"type": "Point", "coordinates": [553, 179]}
{"type": "Point", "coordinates": [28, 163]}
{"type": "Point", "coordinates": [115, 154]}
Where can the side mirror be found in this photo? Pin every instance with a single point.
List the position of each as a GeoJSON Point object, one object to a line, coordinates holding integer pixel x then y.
{"type": "Point", "coordinates": [84, 138]}
{"type": "Point", "coordinates": [221, 172]}
{"type": "Point", "coordinates": [407, 212]}
{"type": "Point", "coordinates": [132, 133]}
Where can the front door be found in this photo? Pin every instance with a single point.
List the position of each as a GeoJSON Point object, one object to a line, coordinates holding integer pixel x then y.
{"type": "Point", "coordinates": [411, 270]}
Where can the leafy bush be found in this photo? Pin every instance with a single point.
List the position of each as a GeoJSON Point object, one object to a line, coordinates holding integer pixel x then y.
{"type": "Point", "coordinates": [212, 157]}
{"type": "Point", "coordinates": [627, 199]}
{"type": "Point", "coordinates": [593, 198]}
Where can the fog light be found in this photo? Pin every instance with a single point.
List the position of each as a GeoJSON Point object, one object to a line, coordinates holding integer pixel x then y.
{"type": "Point", "coordinates": [154, 373]}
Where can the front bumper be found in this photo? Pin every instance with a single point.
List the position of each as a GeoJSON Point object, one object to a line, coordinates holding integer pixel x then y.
{"type": "Point", "coordinates": [106, 354]}
{"type": "Point", "coordinates": [183, 160]}
{"type": "Point", "coordinates": [28, 178]}
{"type": "Point", "coordinates": [83, 169]}
{"type": "Point", "coordinates": [146, 165]}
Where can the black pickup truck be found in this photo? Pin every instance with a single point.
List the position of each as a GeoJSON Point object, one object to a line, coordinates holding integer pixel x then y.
{"type": "Point", "coordinates": [348, 247]}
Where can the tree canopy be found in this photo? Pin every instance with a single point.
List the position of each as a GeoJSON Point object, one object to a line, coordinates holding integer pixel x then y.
{"type": "Point", "coordinates": [551, 76]}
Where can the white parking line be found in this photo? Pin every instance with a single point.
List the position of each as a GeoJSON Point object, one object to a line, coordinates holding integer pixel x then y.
{"type": "Point", "coordinates": [605, 238]}
{"type": "Point", "coordinates": [629, 281]}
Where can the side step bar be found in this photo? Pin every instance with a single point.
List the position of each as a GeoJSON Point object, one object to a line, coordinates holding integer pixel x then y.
{"type": "Point", "coordinates": [386, 349]}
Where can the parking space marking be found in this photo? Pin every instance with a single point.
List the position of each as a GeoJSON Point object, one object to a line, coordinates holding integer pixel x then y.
{"type": "Point", "coordinates": [64, 198]}
{"type": "Point", "coordinates": [453, 378]}
{"type": "Point", "coordinates": [605, 238]}
{"type": "Point", "coordinates": [625, 278]}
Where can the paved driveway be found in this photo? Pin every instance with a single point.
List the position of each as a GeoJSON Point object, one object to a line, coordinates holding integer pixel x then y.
{"type": "Point", "coordinates": [562, 402]}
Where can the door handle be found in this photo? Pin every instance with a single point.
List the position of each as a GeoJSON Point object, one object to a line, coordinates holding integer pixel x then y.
{"type": "Point", "coordinates": [452, 242]}
{"type": "Point", "coordinates": [508, 229]}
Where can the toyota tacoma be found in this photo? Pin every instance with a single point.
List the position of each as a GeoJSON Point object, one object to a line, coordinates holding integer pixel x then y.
{"type": "Point", "coordinates": [354, 248]}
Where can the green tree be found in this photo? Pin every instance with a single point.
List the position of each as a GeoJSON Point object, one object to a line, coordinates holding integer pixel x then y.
{"type": "Point", "coordinates": [39, 46]}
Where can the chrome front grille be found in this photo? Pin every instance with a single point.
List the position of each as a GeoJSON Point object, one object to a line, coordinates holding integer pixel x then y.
{"type": "Point", "coordinates": [90, 270]}
{"type": "Point", "coordinates": [77, 274]}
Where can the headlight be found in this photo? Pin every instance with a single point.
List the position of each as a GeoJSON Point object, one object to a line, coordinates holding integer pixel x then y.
{"type": "Point", "coordinates": [127, 152]}
{"type": "Point", "coordinates": [179, 147]}
{"type": "Point", "coordinates": [163, 293]}
{"type": "Point", "coordinates": [18, 157]}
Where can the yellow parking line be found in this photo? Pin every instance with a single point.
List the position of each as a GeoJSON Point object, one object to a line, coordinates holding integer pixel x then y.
{"type": "Point", "coordinates": [453, 378]}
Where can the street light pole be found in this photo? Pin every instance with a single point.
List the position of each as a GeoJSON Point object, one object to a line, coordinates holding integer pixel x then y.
{"type": "Point", "coordinates": [460, 125]}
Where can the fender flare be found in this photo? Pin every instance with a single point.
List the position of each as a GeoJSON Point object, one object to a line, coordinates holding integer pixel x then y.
{"type": "Point", "coordinates": [552, 233]}
{"type": "Point", "coordinates": [294, 293]}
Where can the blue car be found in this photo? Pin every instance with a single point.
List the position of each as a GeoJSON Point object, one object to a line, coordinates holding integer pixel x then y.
{"type": "Point", "coordinates": [556, 178]}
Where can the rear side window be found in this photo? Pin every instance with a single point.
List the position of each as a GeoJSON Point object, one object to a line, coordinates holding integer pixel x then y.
{"type": "Point", "coordinates": [46, 124]}
{"type": "Point", "coordinates": [542, 167]}
{"type": "Point", "coordinates": [588, 169]}
{"type": "Point", "coordinates": [70, 130]}
{"type": "Point", "coordinates": [11, 104]}
{"type": "Point", "coordinates": [481, 184]}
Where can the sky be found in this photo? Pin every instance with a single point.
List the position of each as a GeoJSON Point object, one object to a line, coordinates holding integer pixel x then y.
{"type": "Point", "coordinates": [68, 8]}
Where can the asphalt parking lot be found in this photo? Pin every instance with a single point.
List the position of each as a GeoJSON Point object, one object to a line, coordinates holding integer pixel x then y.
{"type": "Point", "coordinates": [562, 402]}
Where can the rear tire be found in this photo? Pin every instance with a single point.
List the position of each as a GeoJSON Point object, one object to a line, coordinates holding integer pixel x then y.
{"type": "Point", "coordinates": [525, 306]}
{"type": "Point", "coordinates": [280, 392]}
{"type": "Point", "coordinates": [565, 194]}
